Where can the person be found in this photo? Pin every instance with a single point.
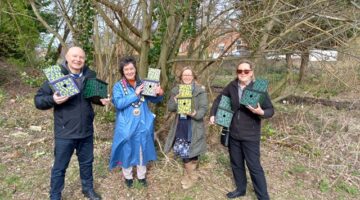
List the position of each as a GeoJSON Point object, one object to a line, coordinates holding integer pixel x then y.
{"type": "Point", "coordinates": [245, 131]}
{"type": "Point", "coordinates": [73, 125]}
{"type": "Point", "coordinates": [133, 141]}
{"type": "Point", "coordinates": [187, 134]}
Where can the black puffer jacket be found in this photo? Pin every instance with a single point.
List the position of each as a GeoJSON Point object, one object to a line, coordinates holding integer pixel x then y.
{"type": "Point", "coordinates": [74, 118]}
{"type": "Point", "coordinates": [245, 125]}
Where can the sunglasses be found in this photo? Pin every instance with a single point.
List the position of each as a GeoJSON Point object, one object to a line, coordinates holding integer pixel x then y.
{"type": "Point", "coordinates": [245, 71]}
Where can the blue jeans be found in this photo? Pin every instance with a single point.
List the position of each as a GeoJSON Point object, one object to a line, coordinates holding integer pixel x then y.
{"type": "Point", "coordinates": [63, 150]}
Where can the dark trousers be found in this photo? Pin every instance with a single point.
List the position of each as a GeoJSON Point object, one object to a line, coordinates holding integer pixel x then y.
{"type": "Point", "coordinates": [63, 150]}
{"type": "Point", "coordinates": [248, 152]}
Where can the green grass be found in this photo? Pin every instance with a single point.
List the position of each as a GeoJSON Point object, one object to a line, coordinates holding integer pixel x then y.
{"type": "Point", "coordinates": [298, 169]}
{"type": "Point", "coordinates": [223, 160]}
{"type": "Point", "coordinates": [324, 185]}
{"type": "Point", "coordinates": [345, 187]}
{"type": "Point", "coordinates": [203, 159]}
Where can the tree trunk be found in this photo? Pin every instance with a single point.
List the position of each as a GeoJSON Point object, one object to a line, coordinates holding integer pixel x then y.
{"type": "Point", "coordinates": [289, 65]}
{"type": "Point", "coordinates": [165, 47]}
{"type": "Point", "coordinates": [303, 66]}
{"type": "Point", "coordinates": [145, 38]}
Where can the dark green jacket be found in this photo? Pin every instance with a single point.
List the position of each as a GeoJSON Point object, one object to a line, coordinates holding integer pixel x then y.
{"type": "Point", "coordinates": [198, 139]}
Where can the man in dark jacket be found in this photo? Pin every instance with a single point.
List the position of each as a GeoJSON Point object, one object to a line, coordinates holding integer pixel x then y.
{"type": "Point", "coordinates": [73, 125]}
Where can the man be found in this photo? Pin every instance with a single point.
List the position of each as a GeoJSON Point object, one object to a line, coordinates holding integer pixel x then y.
{"type": "Point", "coordinates": [73, 126]}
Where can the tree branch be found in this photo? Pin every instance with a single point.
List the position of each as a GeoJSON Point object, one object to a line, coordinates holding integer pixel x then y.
{"type": "Point", "coordinates": [124, 19]}
{"type": "Point", "coordinates": [115, 29]}
{"type": "Point", "coordinates": [51, 30]}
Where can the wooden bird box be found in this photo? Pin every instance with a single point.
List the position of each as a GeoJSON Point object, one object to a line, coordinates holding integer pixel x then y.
{"type": "Point", "coordinates": [53, 73]}
{"type": "Point", "coordinates": [256, 94]}
{"type": "Point", "coordinates": [224, 113]}
{"type": "Point", "coordinates": [95, 89]}
{"type": "Point", "coordinates": [185, 91]}
{"type": "Point", "coordinates": [153, 74]}
{"type": "Point", "coordinates": [184, 105]}
{"type": "Point", "coordinates": [151, 81]}
{"type": "Point", "coordinates": [65, 85]}
{"type": "Point", "coordinates": [150, 88]}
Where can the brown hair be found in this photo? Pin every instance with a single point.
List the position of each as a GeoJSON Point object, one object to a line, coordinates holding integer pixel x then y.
{"type": "Point", "coordinates": [252, 65]}
{"type": "Point", "coordinates": [187, 68]}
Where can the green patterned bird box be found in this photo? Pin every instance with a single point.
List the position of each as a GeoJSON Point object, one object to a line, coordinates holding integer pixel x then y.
{"type": "Point", "coordinates": [150, 88]}
{"type": "Point", "coordinates": [261, 85]}
{"type": "Point", "coordinates": [66, 86]}
{"type": "Point", "coordinates": [53, 73]}
{"type": "Point", "coordinates": [224, 113]}
{"type": "Point", "coordinates": [153, 74]}
{"type": "Point", "coordinates": [185, 91]}
{"type": "Point", "coordinates": [252, 98]}
{"type": "Point", "coordinates": [184, 105]}
{"type": "Point", "coordinates": [223, 117]}
{"type": "Point", "coordinates": [95, 89]}
{"type": "Point", "coordinates": [225, 102]}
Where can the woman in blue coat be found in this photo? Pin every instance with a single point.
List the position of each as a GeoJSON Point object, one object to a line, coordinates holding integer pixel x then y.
{"type": "Point", "coordinates": [133, 142]}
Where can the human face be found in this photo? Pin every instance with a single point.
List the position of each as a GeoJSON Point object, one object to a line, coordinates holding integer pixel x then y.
{"type": "Point", "coordinates": [75, 58]}
{"type": "Point", "coordinates": [187, 76]}
{"type": "Point", "coordinates": [129, 71]}
{"type": "Point", "coordinates": [244, 73]}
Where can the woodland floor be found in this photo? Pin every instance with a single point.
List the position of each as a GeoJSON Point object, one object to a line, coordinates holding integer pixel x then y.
{"type": "Point", "coordinates": [311, 152]}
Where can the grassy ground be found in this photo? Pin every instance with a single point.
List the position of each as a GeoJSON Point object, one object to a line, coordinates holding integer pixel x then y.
{"type": "Point", "coordinates": [308, 152]}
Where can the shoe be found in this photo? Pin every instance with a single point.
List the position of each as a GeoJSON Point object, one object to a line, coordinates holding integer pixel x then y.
{"type": "Point", "coordinates": [235, 194]}
{"type": "Point", "coordinates": [92, 195]}
{"type": "Point", "coordinates": [129, 183]}
{"type": "Point", "coordinates": [143, 182]}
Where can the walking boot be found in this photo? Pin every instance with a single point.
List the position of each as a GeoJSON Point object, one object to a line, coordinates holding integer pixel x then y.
{"type": "Point", "coordinates": [192, 176]}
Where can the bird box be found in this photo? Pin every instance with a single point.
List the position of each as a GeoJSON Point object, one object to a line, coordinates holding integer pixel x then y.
{"type": "Point", "coordinates": [224, 113]}
{"type": "Point", "coordinates": [95, 89]}
{"type": "Point", "coordinates": [151, 82]}
{"type": "Point", "coordinates": [256, 94]}
{"type": "Point", "coordinates": [65, 85]}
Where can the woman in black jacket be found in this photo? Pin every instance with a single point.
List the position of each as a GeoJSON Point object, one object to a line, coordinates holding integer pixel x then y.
{"type": "Point", "coordinates": [245, 131]}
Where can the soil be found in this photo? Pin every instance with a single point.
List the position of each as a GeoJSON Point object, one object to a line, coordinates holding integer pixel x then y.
{"type": "Point", "coordinates": [293, 170]}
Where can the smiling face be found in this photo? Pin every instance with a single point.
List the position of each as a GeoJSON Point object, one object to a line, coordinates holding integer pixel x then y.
{"type": "Point", "coordinates": [187, 76]}
{"type": "Point", "coordinates": [75, 58]}
{"type": "Point", "coordinates": [244, 73]}
{"type": "Point", "coordinates": [129, 71]}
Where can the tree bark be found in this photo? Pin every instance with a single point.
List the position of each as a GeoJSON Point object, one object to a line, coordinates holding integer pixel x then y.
{"type": "Point", "coordinates": [303, 66]}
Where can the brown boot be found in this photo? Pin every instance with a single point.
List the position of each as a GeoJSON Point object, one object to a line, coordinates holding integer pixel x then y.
{"type": "Point", "coordinates": [191, 176]}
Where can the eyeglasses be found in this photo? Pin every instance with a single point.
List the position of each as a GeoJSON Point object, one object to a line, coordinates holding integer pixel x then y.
{"type": "Point", "coordinates": [245, 71]}
{"type": "Point", "coordinates": [187, 75]}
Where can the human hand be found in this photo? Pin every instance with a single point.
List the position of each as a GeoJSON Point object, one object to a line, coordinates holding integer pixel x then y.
{"type": "Point", "coordinates": [258, 110]}
{"type": "Point", "coordinates": [175, 98]}
{"type": "Point", "coordinates": [192, 114]}
{"type": "Point", "coordinates": [212, 120]}
{"type": "Point", "coordinates": [159, 90]}
{"type": "Point", "coordinates": [139, 89]}
{"type": "Point", "coordinates": [106, 101]}
{"type": "Point", "coordinates": [59, 99]}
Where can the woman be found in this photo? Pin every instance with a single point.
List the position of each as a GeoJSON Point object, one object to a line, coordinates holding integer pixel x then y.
{"type": "Point", "coordinates": [187, 133]}
{"type": "Point", "coordinates": [245, 130]}
{"type": "Point", "coordinates": [133, 142]}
